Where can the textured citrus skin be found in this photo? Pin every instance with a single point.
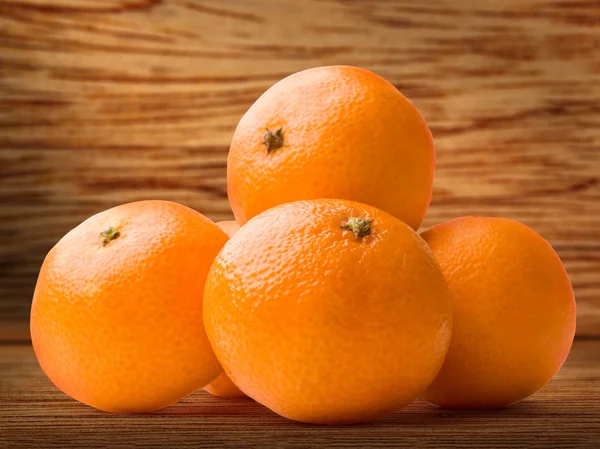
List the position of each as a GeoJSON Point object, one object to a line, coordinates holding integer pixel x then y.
{"type": "Point", "coordinates": [348, 134]}
{"type": "Point", "coordinates": [324, 327]}
{"type": "Point", "coordinates": [223, 386]}
{"type": "Point", "coordinates": [119, 327]}
{"type": "Point", "coordinates": [514, 312]}
{"type": "Point", "coordinates": [230, 227]}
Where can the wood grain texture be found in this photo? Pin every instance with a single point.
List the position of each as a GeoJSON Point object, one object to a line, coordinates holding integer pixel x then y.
{"type": "Point", "coordinates": [104, 102]}
{"type": "Point", "coordinates": [34, 413]}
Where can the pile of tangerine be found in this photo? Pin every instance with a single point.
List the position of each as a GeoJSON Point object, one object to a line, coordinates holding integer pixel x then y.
{"type": "Point", "coordinates": [325, 306]}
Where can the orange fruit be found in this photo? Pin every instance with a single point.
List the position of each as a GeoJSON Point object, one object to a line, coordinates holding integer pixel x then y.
{"type": "Point", "coordinates": [223, 386]}
{"type": "Point", "coordinates": [328, 311]}
{"type": "Point", "coordinates": [229, 227]}
{"type": "Point", "coordinates": [332, 132]}
{"type": "Point", "coordinates": [514, 312]}
{"type": "Point", "coordinates": [116, 320]}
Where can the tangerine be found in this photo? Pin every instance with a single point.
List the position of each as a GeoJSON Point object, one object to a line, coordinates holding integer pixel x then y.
{"type": "Point", "coordinates": [514, 312]}
{"type": "Point", "coordinates": [332, 132]}
{"type": "Point", "coordinates": [328, 311]}
{"type": "Point", "coordinates": [116, 319]}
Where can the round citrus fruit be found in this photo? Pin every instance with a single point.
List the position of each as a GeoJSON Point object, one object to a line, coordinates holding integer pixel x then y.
{"type": "Point", "coordinates": [116, 320]}
{"type": "Point", "coordinates": [328, 311]}
{"type": "Point", "coordinates": [332, 132]}
{"type": "Point", "coordinates": [229, 227]}
{"type": "Point", "coordinates": [223, 386]}
{"type": "Point", "coordinates": [514, 312]}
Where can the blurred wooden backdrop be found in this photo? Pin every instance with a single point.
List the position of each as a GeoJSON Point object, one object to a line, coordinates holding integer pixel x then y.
{"type": "Point", "coordinates": [108, 101]}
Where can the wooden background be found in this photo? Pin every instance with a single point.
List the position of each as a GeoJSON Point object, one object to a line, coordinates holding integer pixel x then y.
{"type": "Point", "coordinates": [109, 101]}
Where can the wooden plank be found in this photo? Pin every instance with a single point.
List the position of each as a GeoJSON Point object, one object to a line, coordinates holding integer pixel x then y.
{"type": "Point", "coordinates": [34, 413]}
{"type": "Point", "coordinates": [103, 102]}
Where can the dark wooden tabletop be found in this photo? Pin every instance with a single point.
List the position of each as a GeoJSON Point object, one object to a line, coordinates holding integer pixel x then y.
{"type": "Point", "coordinates": [33, 413]}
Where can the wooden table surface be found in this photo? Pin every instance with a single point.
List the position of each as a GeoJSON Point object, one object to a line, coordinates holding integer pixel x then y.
{"type": "Point", "coordinates": [33, 413]}
{"type": "Point", "coordinates": [109, 101]}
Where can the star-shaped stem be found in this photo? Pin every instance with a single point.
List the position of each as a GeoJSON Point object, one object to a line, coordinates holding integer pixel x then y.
{"type": "Point", "coordinates": [108, 235]}
{"type": "Point", "coordinates": [359, 226]}
{"type": "Point", "coordinates": [273, 140]}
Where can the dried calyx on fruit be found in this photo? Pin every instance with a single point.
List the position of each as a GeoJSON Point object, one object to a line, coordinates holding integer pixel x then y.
{"type": "Point", "coordinates": [109, 234]}
{"type": "Point", "coordinates": [273, 140]}
{"type": "Point", "coordinates": [359, 226]}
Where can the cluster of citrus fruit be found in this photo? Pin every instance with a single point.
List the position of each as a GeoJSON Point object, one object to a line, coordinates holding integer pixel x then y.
{"type": "Point", "coordinates": [325, 306]}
